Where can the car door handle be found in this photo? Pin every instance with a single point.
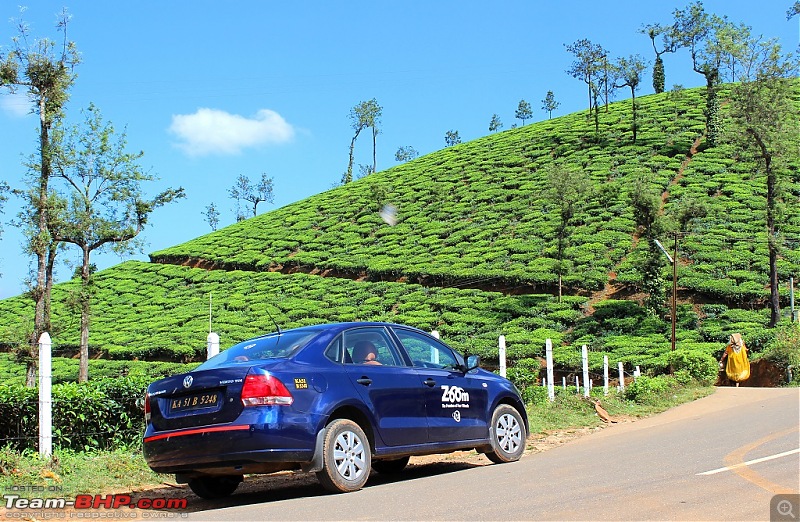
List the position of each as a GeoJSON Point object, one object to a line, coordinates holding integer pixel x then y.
{"type": "Point", "coordinates": [366, 381]}
{"type": "Point", "coordinates": [429, 382]}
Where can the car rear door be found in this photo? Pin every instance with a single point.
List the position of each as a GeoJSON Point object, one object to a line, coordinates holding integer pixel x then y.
{"type": "Point", "coordinates": [390, 389]}
{"type": "Point", "coordinates": [455, 402]}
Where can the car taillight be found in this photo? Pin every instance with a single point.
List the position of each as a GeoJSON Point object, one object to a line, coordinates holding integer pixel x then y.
{"type": "Point", "coordinates": [147, 407]}
{"type": "Point", "coordinates": [264, 389]}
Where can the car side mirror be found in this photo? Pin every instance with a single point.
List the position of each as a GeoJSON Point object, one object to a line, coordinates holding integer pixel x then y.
{"type": "Point", "coordinates": [473, 361]}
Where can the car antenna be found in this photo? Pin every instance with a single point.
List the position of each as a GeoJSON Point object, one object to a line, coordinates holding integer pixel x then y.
{"type": "Point", "coordinates": [274, 322]}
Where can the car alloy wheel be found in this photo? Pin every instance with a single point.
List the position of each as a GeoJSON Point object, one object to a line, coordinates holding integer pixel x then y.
{"type": "Point", "coordinates": [346, 457]}
{"type": "Point", "coordinates": [508, 435]}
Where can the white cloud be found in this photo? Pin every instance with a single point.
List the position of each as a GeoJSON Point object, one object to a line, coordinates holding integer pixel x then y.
{"type": "Point", "coordinates": [16, 105]}
{"type": "Point", "coordinates": [212, 131]}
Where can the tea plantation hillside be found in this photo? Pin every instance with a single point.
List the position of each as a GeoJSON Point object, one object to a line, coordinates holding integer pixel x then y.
{"type": "Point", "coordinates": [146, 311]}
{"type": "Point", "coordinates": [472, 255]}
{"type": "Point", "coordinates": [479, 214]}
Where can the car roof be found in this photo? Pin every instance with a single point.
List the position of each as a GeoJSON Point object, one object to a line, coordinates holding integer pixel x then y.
{"type": "Point", "coordinates": [339, 327]}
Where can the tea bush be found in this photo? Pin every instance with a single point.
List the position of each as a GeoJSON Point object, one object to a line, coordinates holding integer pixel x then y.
{"type": "Point", "coordinates": [99, 414]}
{"type": "Point", "coordinates": [699, 365]}
{"type": "Point", "coordinates": [649, 390]}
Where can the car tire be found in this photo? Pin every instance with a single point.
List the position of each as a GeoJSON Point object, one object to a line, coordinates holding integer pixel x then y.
{"type": "Point", "coordinates": [508, 435]}
{"type": "Point", "coordinates": [388, 467]}
{"type": "Point", "coordinates": [214, 487]}
{"type": "Point", "coordinates": [346, 457]}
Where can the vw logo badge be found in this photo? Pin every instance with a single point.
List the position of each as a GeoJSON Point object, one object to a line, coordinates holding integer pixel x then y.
{"type": "Point", "coordinates": [457, 416]}
{"type": "Point", "coordinates": [187, 381]}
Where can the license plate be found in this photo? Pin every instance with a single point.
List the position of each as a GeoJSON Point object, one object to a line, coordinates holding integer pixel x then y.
{"type": "Point", "coordinates": [194, 402]}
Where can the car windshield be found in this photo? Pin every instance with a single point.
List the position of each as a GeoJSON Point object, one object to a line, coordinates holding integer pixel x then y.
{"type": "Point", "coordinates": [272, 346]}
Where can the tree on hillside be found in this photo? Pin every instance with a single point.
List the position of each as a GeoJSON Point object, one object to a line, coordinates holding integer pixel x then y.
{"type": "Point", "coordinates": [523, 111]}
{"type": "Point", "coordinates": [406, 153]}
{"type": "Point", "coordinates": [590, 67]}
{"type": "Point", "coordinates": [212, 216]}
{"type": "Point", "coordinates": [364, 170]}
{"type": "Point", "coordinates": [44, 69]}
{"type": "Point", "coordinates": [646, 203]}
{"type": "Point", "coordinates": [668, 45]}
{"type": "Point", "coordinates": [766, 126]}
{"type": "Point", "coordinates": [244, 190]}
{"type": "Point", "coordinates": [711, 41]}
{"type": "Point", "coordinates": [495, 124]}
{"type": "Point", "coordinates": [549, 104]}
{"type": "Point", "coordinates": [568, 188]}
{"type": "Point", "coordinates": [628, 72]}
{"type": "Point", "coordinates": [102, 204]}
{"type": "Point", "coordinates": [451, 138]}
{"type": "Point", "coordinates": [374, 121]}
{"type": "Point", "coordinates": [365, 114]}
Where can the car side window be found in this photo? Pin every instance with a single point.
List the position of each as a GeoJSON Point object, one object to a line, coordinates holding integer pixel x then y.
{"type": "Point", "coordinates": [334, 350]}
{"type": "Point", "coordinates": [370, 346]}
{"type": "Point", "coordinates": [426, 352]}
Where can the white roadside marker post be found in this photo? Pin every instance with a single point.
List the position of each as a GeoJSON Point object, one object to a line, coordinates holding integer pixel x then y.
{"type": "Point", "coordinates": [585, 357]}
{"type": "Point", "coordinates": [548, 350]}
{"type": "Point", "coordinates": [502, 347]}
{"type": "Point", "coordinates": [212, 345]}
{"type": "Point", "coordinates": [45, 396]}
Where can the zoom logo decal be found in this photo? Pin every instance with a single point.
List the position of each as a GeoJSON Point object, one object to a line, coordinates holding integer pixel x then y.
{"type": "Point", "coordinates": [454, 397]}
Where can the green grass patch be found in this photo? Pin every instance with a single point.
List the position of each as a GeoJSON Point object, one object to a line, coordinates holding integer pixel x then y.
{"type": "Point", "coordinates": [570, 410]}
{"type": "Point", "coordinates": [71, 473]}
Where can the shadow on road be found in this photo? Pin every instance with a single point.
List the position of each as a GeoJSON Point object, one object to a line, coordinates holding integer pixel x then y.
{"type": "Point", "coordinates": [261, 489]}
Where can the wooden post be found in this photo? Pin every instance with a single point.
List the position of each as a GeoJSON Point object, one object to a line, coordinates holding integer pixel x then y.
{"type": "Point", "coordinates": [605, 375]}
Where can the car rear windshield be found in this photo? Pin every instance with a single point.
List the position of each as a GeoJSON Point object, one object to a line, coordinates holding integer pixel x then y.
{"type": "Point", "coordinates": [272, 346]}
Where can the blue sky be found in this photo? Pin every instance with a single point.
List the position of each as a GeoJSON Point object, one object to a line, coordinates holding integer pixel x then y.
{"type": "Point", "coordinates": [210, 90]}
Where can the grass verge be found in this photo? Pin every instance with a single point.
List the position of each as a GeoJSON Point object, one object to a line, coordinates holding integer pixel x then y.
{"type": "Point", "coordinates": [71, 473]}
{"type": "Point", "coordinates": [570, 410]}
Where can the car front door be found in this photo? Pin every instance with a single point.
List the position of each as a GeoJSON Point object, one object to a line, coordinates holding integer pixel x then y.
{"type": "Point", "coordinates": [455, 402]}
{"type": "Point", "coordinates": [388, 386]}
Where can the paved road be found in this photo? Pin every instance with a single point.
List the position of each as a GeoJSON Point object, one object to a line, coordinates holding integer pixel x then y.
{"type": "Point", "coordinates": [648, 470]}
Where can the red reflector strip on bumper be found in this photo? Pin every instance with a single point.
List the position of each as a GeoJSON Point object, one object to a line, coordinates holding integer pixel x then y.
{"type": "Point", "coordinates": [195, 432]}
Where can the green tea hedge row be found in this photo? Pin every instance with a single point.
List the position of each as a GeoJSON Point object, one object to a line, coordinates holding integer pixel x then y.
{"type": "Point", "coordinates": [100, 414]}
{"type": "Point", "coordinates": [160, 312]}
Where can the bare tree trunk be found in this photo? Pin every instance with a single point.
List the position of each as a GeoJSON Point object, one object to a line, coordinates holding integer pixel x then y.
{"type": "Point", "coordinates": [83, 372]}
{"type": "Point", "coordinates": [40, 248]}
{"type": "Point", "coordinates": [633, 97]}
{"type": "Point", "coordinates": [374, 146]}
{"type": "Point", "coordinates": [774, 296]}
{"type": "Point", "coordinates": [772, 241]}
{"type": "Point", "coordinates": [349, 174]}
{"type": "Point", "coordinates": [559, 287]}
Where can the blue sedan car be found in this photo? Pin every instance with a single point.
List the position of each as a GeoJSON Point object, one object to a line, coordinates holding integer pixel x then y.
{"type": "Point", "coordinates": [337, 399]}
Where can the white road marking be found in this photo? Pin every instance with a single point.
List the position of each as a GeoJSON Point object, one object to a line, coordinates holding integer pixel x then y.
{"type": "Point", "coordinates": [755, 461]}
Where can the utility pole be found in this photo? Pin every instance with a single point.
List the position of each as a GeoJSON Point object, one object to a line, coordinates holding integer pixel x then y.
{"type": "Point", "coordinates": [674, 260]}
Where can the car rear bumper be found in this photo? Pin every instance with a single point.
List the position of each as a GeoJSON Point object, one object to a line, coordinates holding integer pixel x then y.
{"type": "Point", "coordinates": [236, 447]}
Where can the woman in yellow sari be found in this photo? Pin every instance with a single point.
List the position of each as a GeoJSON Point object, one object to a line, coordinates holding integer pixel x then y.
{"type": "Point", "coordinates": [738, 367]}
